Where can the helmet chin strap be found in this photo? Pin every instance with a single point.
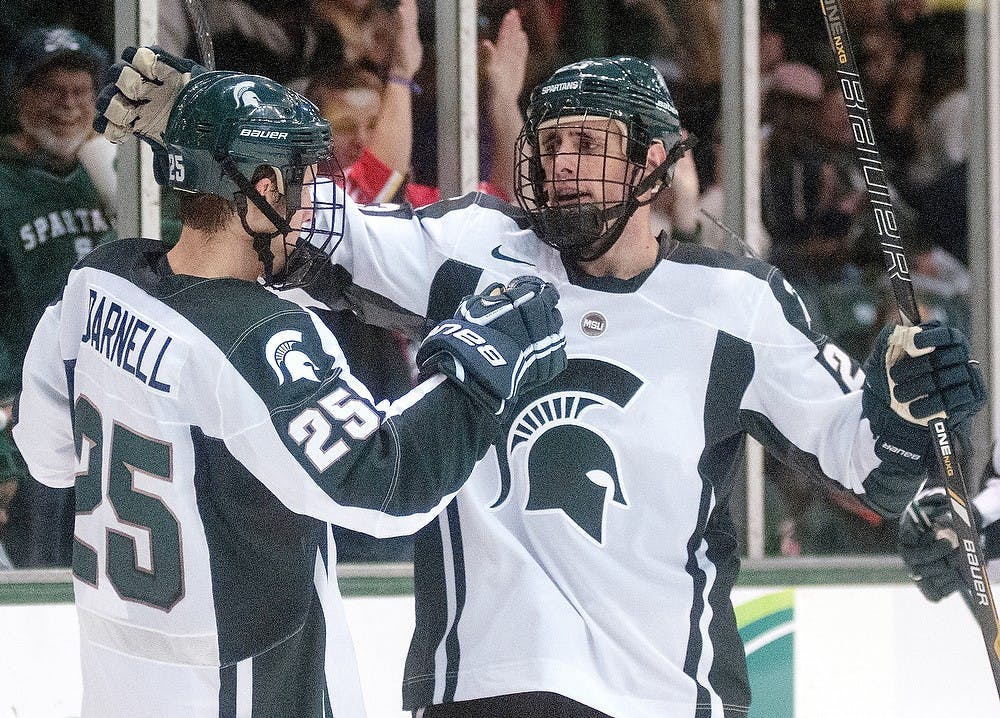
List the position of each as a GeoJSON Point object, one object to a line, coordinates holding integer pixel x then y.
{"type": "Point", "coordinates": [261, 240]}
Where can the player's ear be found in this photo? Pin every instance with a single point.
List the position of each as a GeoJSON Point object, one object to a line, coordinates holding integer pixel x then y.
{"type": "Point", "coordinates": [267, 187]}
{"type": "Point", "coordinates": [656, 155]}
{"type": "Point", "coordinates": [268, 182]}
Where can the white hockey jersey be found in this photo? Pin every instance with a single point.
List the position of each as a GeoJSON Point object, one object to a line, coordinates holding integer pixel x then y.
{"type": "Point", "coordinates": [592, 554]}
{"type": "Point", "coordinates": [210, 429]}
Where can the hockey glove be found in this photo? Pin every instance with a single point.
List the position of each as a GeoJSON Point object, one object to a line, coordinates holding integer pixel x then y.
{"type": "Point", "coordinates": [140, 92]}
{"type": "Point", "coordinates": [929, 545]}
{"type": "Point", "coordinates": [915, 374]}
{"type": "Point", "coordinates": [500, 344]}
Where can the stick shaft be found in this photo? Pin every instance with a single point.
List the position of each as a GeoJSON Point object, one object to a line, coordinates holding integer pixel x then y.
{"type": "Point", "coordinates": [202, 34]}
{"type": "Point", "coordinates": [870, 159]}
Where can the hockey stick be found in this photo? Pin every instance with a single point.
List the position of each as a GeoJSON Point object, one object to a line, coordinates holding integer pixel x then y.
{"type": "Point", "coordinates": [974, 566]}
{"type": "Point", "coordinates": [202, 35]}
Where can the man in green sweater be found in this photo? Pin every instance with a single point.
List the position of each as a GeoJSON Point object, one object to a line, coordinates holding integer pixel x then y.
{"type": "Point", "coordinates": [51, 216]}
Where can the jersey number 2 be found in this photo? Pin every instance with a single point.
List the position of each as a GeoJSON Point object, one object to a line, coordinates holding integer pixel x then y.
{"type": "Point", "coordinates": [161, 584]}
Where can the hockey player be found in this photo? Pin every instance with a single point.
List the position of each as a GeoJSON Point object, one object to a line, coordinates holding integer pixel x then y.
{"type": "Point", "coordinates": [586, 568]}
{"type": "Point", "coordinates": [211, 428]}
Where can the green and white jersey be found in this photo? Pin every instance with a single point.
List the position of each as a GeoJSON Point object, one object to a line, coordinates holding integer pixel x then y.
{"type": "Point", "coordinates": [592, 554]}
{"type": "Point", "coordinates": [48, 222]}
{"type": "Point", "coordinates": [211, 429]}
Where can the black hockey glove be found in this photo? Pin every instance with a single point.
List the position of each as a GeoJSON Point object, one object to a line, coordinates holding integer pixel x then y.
{"type": "Point", "coordinates": [915, 374]}
{"type": "Point", "coordinates": [500, 344]}
{"type": "Point", "coordinates": [929, 545]}
{"type": "Point", "coordinates": [139, 95]}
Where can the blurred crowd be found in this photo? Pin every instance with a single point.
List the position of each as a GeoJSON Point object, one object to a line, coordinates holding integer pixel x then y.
{"type": "Point", "coordinates": [369, 66]}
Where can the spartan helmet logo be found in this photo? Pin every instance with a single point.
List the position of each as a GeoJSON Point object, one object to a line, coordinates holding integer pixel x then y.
{"type": "Point", "coordinates": [245, 96]}
{"type": "Point", "coordinates": [60, 39]}
{"type": "Point", "coordinates": [286, 361]}
{"type": "Point", "coordinates": [571, 467]}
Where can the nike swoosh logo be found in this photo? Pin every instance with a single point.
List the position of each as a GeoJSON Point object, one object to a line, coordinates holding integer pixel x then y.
{"type": "Point", "coordinates": [504, 258]}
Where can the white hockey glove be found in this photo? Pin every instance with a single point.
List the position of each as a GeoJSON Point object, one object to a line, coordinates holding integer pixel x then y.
{"type": "Point", "coordinates": [500, 344]}
{"type": "Point", "coordinates": [140, 92]}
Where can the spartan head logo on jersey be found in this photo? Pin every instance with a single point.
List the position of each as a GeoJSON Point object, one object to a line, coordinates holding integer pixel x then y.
{"type": "Point", "coordinates": [571, 467]}
{"type": "Point", "coordinates": [286, 361]}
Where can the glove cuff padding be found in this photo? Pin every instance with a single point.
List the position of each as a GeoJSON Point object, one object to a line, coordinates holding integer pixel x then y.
{"type": "Point", "coordinates": [487, 363]}
{"type": "Point", "coordinates": [889, 488]}
{"type": "Point", "coordinates": [899, 443]}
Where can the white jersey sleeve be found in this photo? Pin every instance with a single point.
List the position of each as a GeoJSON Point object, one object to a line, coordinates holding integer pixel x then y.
{"type": "Point", "coordinates": [406, 269]}
{"type": "Point", "coordinates": [803, 400]}
{"type": "Point", "coordinates": [44, 430]}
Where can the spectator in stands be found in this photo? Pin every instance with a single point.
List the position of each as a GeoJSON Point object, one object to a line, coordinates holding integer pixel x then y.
{"type": "Point", "coordinates": [540, 19]}
{"type": "Point", "coordinates": [792, 162]}
{"type": "Point", "coordinates": [282, 39]}
{"type": "Point", "coordinates": [890, 71]}
{"type": "Point", "coordinates": [364, 28]}
{"type": "Point", "coordinates": [53, 211]}
{"type": "Point", "coordinates": [372, 120]}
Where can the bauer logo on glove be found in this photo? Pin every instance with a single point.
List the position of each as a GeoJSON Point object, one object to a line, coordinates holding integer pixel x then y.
{"type": "Point", "coordinates": [501, 343]}
{"type": "Point", "coordinates": [464, 334]}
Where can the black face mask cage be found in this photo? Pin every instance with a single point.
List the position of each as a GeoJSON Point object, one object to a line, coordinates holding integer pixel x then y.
{"type": "Point", "coordinates": [583, 214]}
{"type": "Point", "coordinates": [308, 241]}
{"type": "Point", "coordinates": [308, 249]}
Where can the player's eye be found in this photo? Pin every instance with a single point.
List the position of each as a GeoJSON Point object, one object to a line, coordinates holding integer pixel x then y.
{"type": "Point", "coordinates": [590, 144]}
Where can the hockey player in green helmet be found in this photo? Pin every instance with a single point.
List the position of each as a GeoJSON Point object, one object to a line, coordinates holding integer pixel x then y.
{"type": "Point", "coordinates": [233, 433]}
{"type": "Point", "coordinates": [585, 570]}
{"type": "Point", "coordinates": [601, 138]}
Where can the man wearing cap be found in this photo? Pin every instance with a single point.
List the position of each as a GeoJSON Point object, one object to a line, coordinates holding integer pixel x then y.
{"type": "Point", "coordinates": [51, 215]}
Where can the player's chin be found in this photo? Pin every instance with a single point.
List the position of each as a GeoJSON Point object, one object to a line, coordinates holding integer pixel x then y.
{"type": "Point", "coordinates": [568, 201]}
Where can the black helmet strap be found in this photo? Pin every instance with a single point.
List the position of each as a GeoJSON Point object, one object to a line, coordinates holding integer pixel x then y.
{"type": "Point", "coordinates": [261, 240]}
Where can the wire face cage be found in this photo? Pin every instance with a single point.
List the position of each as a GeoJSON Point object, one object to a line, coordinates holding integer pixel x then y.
{"type": "Point", "coordinates": [576, 176]}
{"type": "Point", "coordinates": [316, 236]}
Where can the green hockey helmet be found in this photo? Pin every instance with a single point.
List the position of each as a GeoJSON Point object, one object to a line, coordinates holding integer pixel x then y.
{"type": "Point", "coordinates": [633, 98]}
{"type": "Point", "coordinates": [623, 88]}
{"type": "Point", "coordinates": [230, 119]}
{"type": "Point", "coordinates": [224, 127]}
